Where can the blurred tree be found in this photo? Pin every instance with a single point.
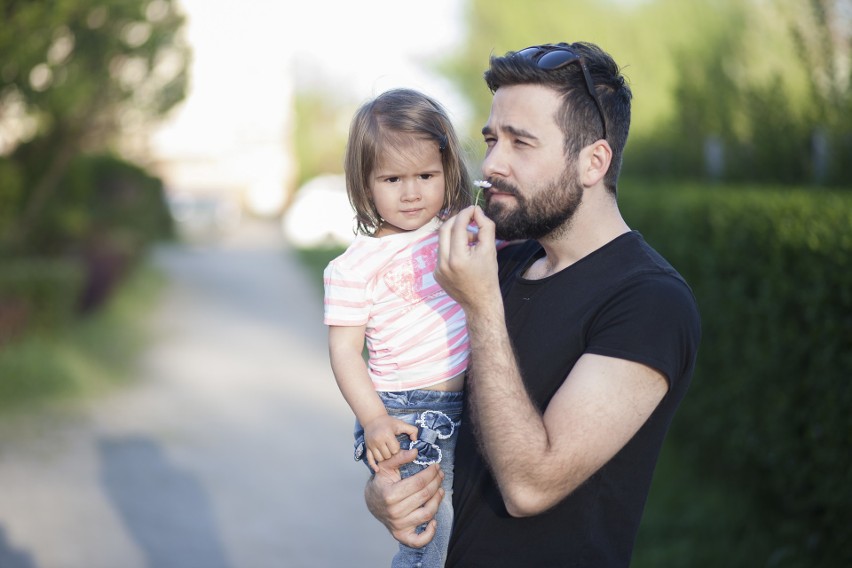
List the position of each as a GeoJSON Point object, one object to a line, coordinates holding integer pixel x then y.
{"type": "Point", "coordinates": [822, 32]}
{"type": "Point", "coordinates": [712, 79]}
{"type": "Point", "coordinates": [822, 35]}
{"type": "Point", "coordinates": [772, 90]}
{"type": "Point", "coordinates": [321, 130]}
{"type": "Point", "coordinates": [642, 36]}
{"type": "Point", "coordinates": [72, 72]}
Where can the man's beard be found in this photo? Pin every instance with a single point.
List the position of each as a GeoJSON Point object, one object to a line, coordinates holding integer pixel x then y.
{"type": "Point", "coordinates": [549, 210]}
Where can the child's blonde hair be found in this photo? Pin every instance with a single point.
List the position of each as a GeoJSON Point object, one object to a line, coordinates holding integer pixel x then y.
{"type": "Point", "coordinates": [379, 125]}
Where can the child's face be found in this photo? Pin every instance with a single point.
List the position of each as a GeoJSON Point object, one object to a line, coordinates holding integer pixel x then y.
{"type": "Point", "coordinates": [408, 186]}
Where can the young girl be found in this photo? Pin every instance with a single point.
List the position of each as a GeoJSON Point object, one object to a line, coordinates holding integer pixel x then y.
{"type": "Point", "coordinates": [404, 174]}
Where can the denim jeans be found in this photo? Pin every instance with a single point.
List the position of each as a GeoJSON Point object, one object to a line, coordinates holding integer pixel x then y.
{"type": "Point", "coordinates": [438, 416]}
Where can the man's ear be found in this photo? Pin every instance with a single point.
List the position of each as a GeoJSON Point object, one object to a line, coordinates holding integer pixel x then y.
{"type": "Point", "coordinates": [595, 160]}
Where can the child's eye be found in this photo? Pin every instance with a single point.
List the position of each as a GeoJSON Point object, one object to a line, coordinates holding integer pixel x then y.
{"type": "Point", "coordinates": [392, 179]}
{"type": "Point", "coordinates": [426, 176]}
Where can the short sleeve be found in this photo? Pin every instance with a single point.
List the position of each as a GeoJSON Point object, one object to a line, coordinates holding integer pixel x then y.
{"type": "Point", "coordinates": [654, 320]}
{"type": "Point", "coordinates": [345, 301]}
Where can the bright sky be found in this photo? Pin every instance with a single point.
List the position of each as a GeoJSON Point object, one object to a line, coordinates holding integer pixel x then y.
{"type": "Point", "coordinates": [230, 132]}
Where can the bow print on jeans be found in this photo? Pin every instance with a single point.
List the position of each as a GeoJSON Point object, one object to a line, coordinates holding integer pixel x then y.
{"type": "Point", "coordinates": [433, 425]}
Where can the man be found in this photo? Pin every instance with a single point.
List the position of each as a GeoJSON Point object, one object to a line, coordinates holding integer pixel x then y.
{"type": "Point", "coordinates": [583, 338]}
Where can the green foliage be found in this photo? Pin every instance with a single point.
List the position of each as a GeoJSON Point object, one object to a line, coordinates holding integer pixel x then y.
{"type": "Point", "coordinates": [768, 412]}
{"type": "Point", "coordinates": [73, 74]}
{"type": "Point", "coordinates": [641, 36]}
{"type": "Point", "coordinates": [758, 78]}
{"type": "Point", "coordinates": [321, 130]}
{"type": "Point", "coordinates": [103, 197]}
{"type": "Point", "coordinates": [763, 88]}
{"type": "Point", "coordinates": [82, 357]}
{"type": "Point", "coordinates": [693, 520]}
{"type": "Point", "coordinates": [38, 293]}
{"type": "Point", "coordinates": [89, 237]}
{"type": "Point", "coordinates": [70, 61]}
{"type": "Point", "coordinates": [11, 191]}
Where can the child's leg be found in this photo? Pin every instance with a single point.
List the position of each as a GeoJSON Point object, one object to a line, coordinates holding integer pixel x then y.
{"type": "Point", "coordinates": [434, 554]}
{"type": "Point", "coordinates": [438, 416]}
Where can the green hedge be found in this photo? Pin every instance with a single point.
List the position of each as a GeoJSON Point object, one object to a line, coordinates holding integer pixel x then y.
{"type": "Point", "coordinates": [769, 413]}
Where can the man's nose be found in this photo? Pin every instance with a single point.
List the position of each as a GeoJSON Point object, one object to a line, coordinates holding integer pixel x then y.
{"type": "Point", "coordinates": [495, 162]}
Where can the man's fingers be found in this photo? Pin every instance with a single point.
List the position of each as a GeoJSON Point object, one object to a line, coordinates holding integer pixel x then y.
{"type": "Point", "coordinates": [404, 499]}
{"type": "Point", "coordinates": [459, 234]}
{"type": "Point", "coordinates": [387, 474]}
{"type": "Point", "coordinates": [423, 513]}
{"type": "Point", "coordinates": [404, 504]}
{"type": "Point", "coordinates": [486, 228]}
{"type": "Point", "coordinates": [420, 495]}
{"type": "Point", "coordinates": [414, 539]}
{"type": "Point", "coordinates": [399, 459]}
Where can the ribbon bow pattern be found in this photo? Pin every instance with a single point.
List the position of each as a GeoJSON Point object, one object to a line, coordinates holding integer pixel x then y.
{"type": "Point", "coordinates": [433, 425]}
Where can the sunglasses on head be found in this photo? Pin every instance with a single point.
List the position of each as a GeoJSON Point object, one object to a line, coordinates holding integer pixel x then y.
{"type": "Point", "coordinates": [551, 57]}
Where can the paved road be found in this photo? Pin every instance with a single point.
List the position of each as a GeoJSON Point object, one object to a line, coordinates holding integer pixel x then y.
{"type": "Point", "coordinates": [231, 450]}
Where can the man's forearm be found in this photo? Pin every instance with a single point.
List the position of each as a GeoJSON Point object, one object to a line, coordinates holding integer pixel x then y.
{"type": "Point", "coordinates": [509, 428]}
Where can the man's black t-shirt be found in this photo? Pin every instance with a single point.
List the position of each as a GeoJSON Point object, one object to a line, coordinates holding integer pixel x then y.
{"type": "Point", "coordinates": [623, 300]}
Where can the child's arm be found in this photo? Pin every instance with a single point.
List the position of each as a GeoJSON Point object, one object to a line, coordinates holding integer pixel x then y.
{"type": "Point", "coordinates": [345, 345]}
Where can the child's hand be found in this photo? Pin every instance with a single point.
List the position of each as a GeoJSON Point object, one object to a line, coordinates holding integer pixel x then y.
{"type": "Point", "coordinates": [380, 437]}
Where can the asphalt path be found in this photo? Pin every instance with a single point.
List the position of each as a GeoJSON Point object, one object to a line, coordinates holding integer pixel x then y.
{"type": "Point", "coordinates": [230, 449]}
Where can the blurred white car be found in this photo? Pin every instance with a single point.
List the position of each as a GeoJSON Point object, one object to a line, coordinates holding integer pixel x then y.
{"type": "Point", "coordinates": [320, 214]}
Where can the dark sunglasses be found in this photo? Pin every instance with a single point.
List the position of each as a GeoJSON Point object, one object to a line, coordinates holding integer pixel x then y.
{"type": "Point", "coordinates": [550, 57]}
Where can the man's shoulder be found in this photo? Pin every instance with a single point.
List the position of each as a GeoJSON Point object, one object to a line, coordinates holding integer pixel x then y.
{"type": "Point", "coordinates": [632, 270]}
{"type": "Point", "coordinates": [637, 257]}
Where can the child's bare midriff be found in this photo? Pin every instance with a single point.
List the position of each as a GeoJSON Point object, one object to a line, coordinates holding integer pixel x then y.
{"type": "Point", "coordinates": [453, 385]}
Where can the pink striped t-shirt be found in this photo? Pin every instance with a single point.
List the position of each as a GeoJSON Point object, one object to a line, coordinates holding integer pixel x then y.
{"type": "Point", "coordinates": [416, 335]}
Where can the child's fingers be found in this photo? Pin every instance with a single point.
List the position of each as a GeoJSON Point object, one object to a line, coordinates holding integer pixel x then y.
{"type": "Point", "coordinates": [388, 450]}
{"type": "Point", "coordinates": [409, 430]}
{"type": "Point", "coordinates": [380, 452]}
{"type": "Point", "coordinates": [402, 427]}
{"type": "Point", "coordinates": [371, 460]}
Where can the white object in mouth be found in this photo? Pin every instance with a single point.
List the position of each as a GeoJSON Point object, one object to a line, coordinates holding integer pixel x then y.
{"type": "Point", "coordinates": [482, 183]}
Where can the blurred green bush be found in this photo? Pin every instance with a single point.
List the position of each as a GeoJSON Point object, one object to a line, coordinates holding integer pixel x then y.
{"type": "Point", "coordinates": [100, 198]}
{"type": "Point", "coordinates": [77, 79]}
{"type": "Point", "coordinates": [768, 413]}
{"type": "Point", "coordinates": [106, 213]}
{"type": "Point", "coordinates": [38, 293]}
